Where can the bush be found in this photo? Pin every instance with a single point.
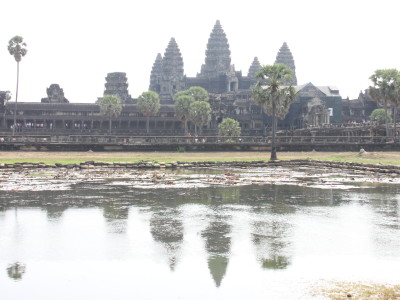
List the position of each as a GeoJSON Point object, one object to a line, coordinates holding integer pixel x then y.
{"type": "Point", "coordinates": [378, 115]}
{"type": "Point", "coordinates": [229, 127]}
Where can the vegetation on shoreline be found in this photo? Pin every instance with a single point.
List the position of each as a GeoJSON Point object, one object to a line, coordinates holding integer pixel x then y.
{"type": "Point", "coordinates": [385, 158]}
{"type": "Point", "coordinates": [357, 290]}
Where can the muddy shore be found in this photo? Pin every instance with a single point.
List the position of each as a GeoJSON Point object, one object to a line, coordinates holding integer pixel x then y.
{"type": "Point", "coordinates": [150, 175]}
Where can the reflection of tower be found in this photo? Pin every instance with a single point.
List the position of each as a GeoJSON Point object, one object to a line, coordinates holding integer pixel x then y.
{"type": "Point", "coordinates": [218, 244]}
{"type": "Point", "coordinates": [167, 228]}
{"type": "Point", "coordinates": [116, 216]}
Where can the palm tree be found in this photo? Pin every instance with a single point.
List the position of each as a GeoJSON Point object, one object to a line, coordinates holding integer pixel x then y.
{"type": "Point", "coordinates": [149, 105]}
{"type": "Point", "coordinates": [386, 90]}
{"type": "Point", "coordinates": [182, 109]}
{"type": "Point", "coordinates": [17, 48]}
{"type": "Point", "coordinates": [271, 94]}
{"type": "Point", "coordinates": [110, 106]}
{"type": "Point", "coordinates": [229, 127]}
{"type": "Point", "coordinates": [200, 114]}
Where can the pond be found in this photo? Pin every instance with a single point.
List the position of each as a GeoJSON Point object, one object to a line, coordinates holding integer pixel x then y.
{"type": "Point", "coordinates": [110, 238]}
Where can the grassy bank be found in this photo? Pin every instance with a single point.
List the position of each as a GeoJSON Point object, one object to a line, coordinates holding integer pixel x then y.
{"type": "Point", "coordinates": [386, 158]}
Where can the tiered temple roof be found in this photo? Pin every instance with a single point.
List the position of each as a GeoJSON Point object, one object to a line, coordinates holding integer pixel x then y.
{"type": "Point", "coordinates": [172, 73]}
{"type": "Point", "coordinates": [254, 68]}
{"type": "Point", "coordinates": [218, 55]}
{"type": "Point", "coordinates": [156, 74]}
{"type": "Point", "coordinates": [285, 57]}
{"type": "Point", "coordinates": [116, 84]}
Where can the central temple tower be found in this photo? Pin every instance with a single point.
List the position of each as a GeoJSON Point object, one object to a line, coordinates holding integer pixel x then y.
{"type": "Point", "coordinates": [218, 55]}
{"type": "Point", "coordinates": [217, 75]}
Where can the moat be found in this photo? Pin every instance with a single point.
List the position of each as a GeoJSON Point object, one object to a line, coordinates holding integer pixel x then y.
{"type": "Point", "coordinates": [274, 233]}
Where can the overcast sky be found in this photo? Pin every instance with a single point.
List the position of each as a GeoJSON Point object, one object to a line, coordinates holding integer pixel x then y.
{"type": "Point", "coordinates": [75, 43]}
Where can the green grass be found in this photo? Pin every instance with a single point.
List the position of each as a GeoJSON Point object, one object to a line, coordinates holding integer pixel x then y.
{"type": "Point", "coordinates": [386, 158]}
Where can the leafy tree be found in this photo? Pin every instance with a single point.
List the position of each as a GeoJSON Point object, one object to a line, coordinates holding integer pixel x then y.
{"type": "Point", "coordinates": [198, 93]}
{"type": "Point", "coordinates": [17, 48]}
{"type": "Point", "coordinates": [229, 127]}
{"type": "Point", "coordinates": [183, 100]}
{"type": "Point", "coordinates": [379, 115]}
{"type": "Point", "coordinates": [200, 114]}
{"type": "Point", "coordinates": [110, 106]}
{"type": "Point", "coordinates": [182, 109]}
{"type": "Point", "coordinates": [386, 90]}
{"type": "Point", "coordinates": [149, 105]}
{"type": "Point", "coordinates": [274, 98]}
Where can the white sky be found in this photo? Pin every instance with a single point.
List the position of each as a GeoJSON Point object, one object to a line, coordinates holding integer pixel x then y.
{"type": "Point", "coordinates": [75, 43]}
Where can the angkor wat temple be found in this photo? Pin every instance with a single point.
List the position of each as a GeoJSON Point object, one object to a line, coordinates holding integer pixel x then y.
{"type": "Point", "coordinates": [230, 96]}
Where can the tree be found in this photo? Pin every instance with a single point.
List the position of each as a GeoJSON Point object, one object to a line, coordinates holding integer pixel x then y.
{"type": "Point", "coordinates": [17, 48]}
{"type": "Point", "coordinates": [229, 127]}
{"type": "Point", "coordinates": [379, 115]}
{"type": "Point", "coordinates": [198, 93]}
{"type": "Point", "coordinates": [182, 109]}
{"type": "Point", "coordinates": [110, 106]}
{"type": "Point", "coordinates": [200, 114]}
{"type": "Point", "coordinates": [183, 100]}
{"type": "Point", "coordinates": [274, 98]}
{"type": "Point", "coordinates": [149, 105]}
{"type": "Point", "coordinates": [386, 90]}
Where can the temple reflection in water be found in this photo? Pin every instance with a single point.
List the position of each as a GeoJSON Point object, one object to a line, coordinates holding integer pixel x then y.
{"type": "Point", "coordinates": [174, 226]}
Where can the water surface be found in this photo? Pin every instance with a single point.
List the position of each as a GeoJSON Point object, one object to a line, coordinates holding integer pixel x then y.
{"type": "Point", "coordinates": [106, 239]}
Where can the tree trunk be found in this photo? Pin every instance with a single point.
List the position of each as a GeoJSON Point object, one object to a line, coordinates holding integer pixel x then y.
{"type": "Point", "coordinates": [386, 120]}
{"type": "Point", "coordinates": [273, 146]}
{"type": "Point", "coordinates": [185, 126]}
{"type": "Point", "coordinates": [16, 101]}
{"type": "Point", "coordinates": [147, 124]}
{"type": "Point", "coordinates": [110, 124]}
{"type": "Point", "coordinates": [394, 122]}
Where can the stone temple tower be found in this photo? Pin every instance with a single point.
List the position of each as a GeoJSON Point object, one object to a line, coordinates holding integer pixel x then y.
{"type": "Point", "coordinates": [117, 84]}
{"type": "Point", "coordinates": [155, 75]}
{"type": "Point", "coordinates": [254, 68]}
{"type": "Point", "coordinates": [172, 74]}
{"type": "Point", "coordinates": [218, 55]}
{"type": "Point", "coordinates": [285, 57]}
{"type": "Point", "coordinates": [217, 69]}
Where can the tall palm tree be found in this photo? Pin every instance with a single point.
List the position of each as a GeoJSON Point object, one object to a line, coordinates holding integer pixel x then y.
{"type": "Point", "coordinates": [273, 96]}
{"type": "Point", "coordinates": [17, 48]}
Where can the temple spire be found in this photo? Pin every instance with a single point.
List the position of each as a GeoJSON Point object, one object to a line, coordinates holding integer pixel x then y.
{"type": "Point", "coordinates": [254, 68]}
{"type": "Point", "coordinates": [156, 74]}
{"type": "Point", "coordinates": [117, 84]}
{"type": "Point", "coordinates": [218, 55]}
{"type": "Point", "coordinates": [285, 57]}
{"type": "Point", "coordinates": [172, 74]}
